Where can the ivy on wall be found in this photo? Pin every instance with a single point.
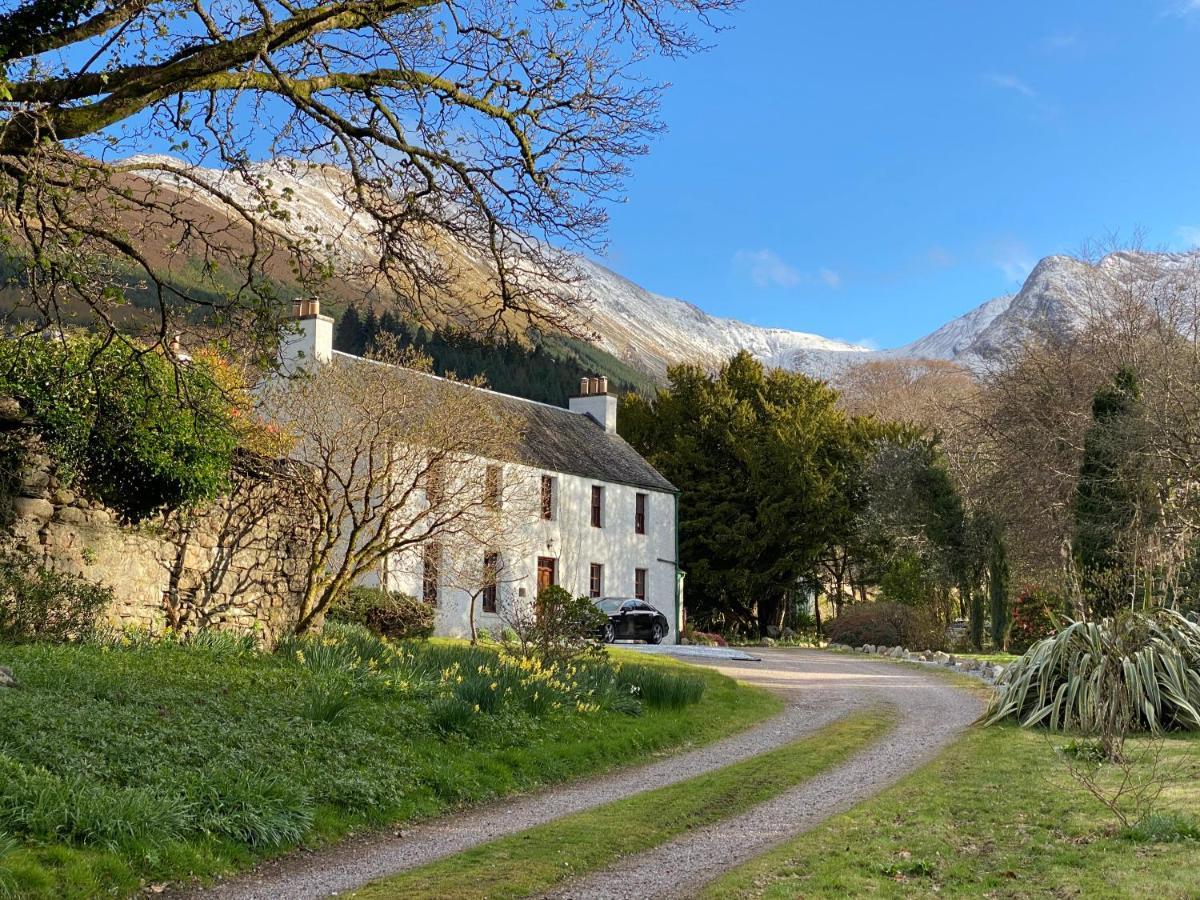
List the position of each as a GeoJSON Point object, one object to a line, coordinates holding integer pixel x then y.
{"type": "Point", "coordinates": [124, 424]}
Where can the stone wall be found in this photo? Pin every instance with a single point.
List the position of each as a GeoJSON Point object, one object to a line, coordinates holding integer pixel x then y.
{"type": "Point", "coordinates": [236, 565]}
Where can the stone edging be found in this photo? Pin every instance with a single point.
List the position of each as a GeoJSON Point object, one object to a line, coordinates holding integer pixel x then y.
{"type": "Point", "coordinates": [989, 673]}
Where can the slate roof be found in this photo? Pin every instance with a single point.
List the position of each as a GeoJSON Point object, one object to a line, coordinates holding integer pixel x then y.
{"type": "Point", "coordinates": [556, 439]}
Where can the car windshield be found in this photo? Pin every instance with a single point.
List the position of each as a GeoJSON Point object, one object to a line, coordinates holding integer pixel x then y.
{"type": "Point", "coordinates": [609, 606]}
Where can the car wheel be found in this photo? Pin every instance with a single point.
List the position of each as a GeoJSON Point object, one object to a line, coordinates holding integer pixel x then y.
{"type": "Point", "coordinates": [656, 634]}
{"type": "Point", "coordinates": [610, 633]}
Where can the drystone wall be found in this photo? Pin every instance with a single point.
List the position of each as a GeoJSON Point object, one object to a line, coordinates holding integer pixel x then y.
{"type": "Point", "coordinates": [237, 565]}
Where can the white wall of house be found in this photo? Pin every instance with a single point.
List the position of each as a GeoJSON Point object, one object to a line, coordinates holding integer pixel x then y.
{"type": "Point", "coordinates": [568, 538]}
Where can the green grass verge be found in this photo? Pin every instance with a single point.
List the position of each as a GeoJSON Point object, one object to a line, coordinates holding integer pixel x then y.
{"type": "Point", "coordinates": [995, 815]}
{"type": "Point", "coordinates": [533, 861]}
{"type": "Point", "coordinates": [155, 762]}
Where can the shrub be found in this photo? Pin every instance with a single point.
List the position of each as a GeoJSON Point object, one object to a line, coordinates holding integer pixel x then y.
{"type": "Point", "coordinates": [389, 613]}
{"type": "Point", "coordinates": [37, 603]}
{"type": "Point", "coordinates": [559, 627]}
{"type": "Point", "coordinates": [886, 624]}
{"type": "Point", "coordinates": [1034, 616]}
{"type": "Point", "coordinates": [140, 434]}
{"type": "Point", "coordinates": [1136, 671]}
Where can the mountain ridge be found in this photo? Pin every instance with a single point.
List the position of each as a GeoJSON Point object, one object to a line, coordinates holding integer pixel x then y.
{"type": "Point", "coordinates": [652, 331]}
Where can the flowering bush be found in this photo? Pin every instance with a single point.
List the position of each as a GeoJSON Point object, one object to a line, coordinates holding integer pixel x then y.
{"type": "Point", "coordinates": [1034, 616]}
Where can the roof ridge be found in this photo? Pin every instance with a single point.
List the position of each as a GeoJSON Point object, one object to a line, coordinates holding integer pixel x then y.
{"type": "Point", "coordinates": [473, 387]}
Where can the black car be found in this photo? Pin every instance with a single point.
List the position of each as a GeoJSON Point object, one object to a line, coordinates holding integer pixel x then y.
{"type": "Point", "coordinates": [630, 619]}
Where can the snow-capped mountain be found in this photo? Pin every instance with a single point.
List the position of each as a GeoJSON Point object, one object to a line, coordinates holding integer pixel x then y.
{"type": "Point", "coordinates": [652, 331]}
{"type": "Point", "coordinates": [655, 331]}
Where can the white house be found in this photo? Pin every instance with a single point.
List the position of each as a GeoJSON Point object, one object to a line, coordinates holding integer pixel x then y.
{"type": "Point", "coordinates": [601, 522]}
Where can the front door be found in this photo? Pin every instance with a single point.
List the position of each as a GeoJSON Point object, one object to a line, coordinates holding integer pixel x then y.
{"type": "Point", "coordinates": [546, 572]}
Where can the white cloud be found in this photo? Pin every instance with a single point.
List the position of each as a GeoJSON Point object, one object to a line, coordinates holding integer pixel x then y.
{"type": "Point", "coordinates": [1061, 41]}
{"type": "Point", "coordinates": [1012, 83]}
{"type": "Point", "coordinates": [1189, 235]}
{"type": "Point", "coordinates": [767, 269]}
{"type": "Point", "coordinates": [1011, 256]}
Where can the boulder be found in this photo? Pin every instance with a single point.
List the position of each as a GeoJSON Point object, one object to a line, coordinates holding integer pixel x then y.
{"type": "Point", "coordinates": [787, 634]}
{"type": "Point", "coordinates": [773, 631]}
{"type": "Point", "coordinates": [897, 653]}
{"type": "Point", "coordinates": [940, 658]}
{"type": "Point", "coordinates": [997, 671]}
{"type": "Point", "coordinates": [868, 648]}
{"type": "Point", "coordinates": [767, 642]}
{"type": "Point", "coordinates": [32, 508]}
{"type": "Point", "coordinates": [6, 678]}
{"type": "Point", "coordinates": [951, 660]}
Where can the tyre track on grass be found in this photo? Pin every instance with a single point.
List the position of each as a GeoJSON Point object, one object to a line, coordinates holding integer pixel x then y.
{"type": "Point", "coordinates": [819, 687]}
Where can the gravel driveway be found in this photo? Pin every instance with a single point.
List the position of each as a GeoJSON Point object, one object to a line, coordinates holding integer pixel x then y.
{"type": "Point", "coordinates": [933, 713]}
{"type": "Point", "coordinates": [820, 687]}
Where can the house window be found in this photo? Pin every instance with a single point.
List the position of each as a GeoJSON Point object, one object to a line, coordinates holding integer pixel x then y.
{"type": "Point", "coordinates": [547, 497]}
{"type": "Point", "coordinates": [429, 573]}
{"type": "Point", "coordinates": [493, 486]}
{"type": "Point", "coordinates": [639, 514]}
{"type": "Point", "coordinates": [597, 506]}
{"type": "Point", "coordinates": [596, 581]}
{"type": "Point", "coordinates": [491, 572]}
{"type": "Point", "coordinates": [435, 481]}
{"type": "Point", "coordinates": [639, 583]}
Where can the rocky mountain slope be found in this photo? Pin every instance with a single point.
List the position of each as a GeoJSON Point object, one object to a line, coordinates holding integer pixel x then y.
{"type": "Point", "coordinates": [651, 331]}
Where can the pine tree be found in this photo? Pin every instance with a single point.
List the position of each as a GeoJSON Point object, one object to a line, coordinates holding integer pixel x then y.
{"type": "Point", "coordinates": [348, 336]}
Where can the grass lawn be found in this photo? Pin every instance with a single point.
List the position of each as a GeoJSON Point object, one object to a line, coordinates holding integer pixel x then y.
{"type": "Point", "coordinates": [994, 816]}
{"type": "Point", "coordinates": [534, 861]}
{"type": "Point", "coordinates": [122, 765]}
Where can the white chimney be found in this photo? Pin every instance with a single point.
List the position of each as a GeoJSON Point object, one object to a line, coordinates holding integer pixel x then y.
{"type": "Point", "coordinates": [594, 400]}
{"type": "Point", "coordinates": [308, 339]}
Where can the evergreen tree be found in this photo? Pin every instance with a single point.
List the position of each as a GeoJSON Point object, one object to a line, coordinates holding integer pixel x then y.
{"type": "Point", "coordinates": [348, 335]}
{"type": "Point", "coordinates": [998, 590]}
{"type": "Point", "coordinates": [761, 458]}
{"type": "Point", "coordinates": [1114, 495]}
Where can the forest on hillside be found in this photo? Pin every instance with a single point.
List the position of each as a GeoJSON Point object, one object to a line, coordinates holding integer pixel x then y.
{"type": "Point", "coordinates": [547, 369]}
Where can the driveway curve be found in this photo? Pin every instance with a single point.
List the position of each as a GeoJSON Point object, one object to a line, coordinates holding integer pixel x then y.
{"type": "Point", "coordinates": [932, 713]}
{"type": "Point", "coordinates": [820, 688]}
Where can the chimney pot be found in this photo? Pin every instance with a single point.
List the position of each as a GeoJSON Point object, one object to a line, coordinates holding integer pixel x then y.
{"type": "Point", "coordinates": [603, 384]}
{"type": "Point", "coordinates": [584, 385]}
{"type": "Point", "coordinates": [593, 385]}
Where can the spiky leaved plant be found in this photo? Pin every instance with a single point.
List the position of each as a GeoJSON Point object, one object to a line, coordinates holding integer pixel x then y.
{"type": "Point", "coordinates": [1139, 671]}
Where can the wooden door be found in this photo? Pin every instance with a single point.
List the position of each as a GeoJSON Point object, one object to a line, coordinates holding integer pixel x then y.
{"type": "Point", "coordinates": [546, 572]}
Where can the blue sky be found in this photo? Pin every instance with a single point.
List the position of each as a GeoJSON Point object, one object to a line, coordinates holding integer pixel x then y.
{"type": "Point", "coordinates": [870, 170]}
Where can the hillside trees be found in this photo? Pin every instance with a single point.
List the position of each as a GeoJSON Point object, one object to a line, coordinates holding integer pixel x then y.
{"type": "Point", "coordinates": [1093, 439]}
{"type": "Point", "coordinates": [499, 125]}
{"type": "Point", "coordinates": [762, 458]}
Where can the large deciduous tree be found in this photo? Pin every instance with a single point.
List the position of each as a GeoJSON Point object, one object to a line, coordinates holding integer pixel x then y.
{"type": "Point", "coordinates": [500, 125]}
